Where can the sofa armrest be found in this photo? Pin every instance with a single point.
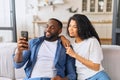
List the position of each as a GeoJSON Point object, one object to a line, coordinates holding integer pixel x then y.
{"type": "Point", "coordinates": [6, 61]}
{"type": "Point", "coordinates": [111, 54]}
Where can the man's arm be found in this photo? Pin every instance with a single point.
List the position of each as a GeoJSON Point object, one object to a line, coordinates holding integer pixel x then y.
{"type": "Point", "coordinates": [21, 45]}
{"type": "Point", "coordinates": [19, 56]}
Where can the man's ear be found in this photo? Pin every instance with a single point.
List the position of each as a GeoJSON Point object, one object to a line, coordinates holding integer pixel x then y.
{"type": "Point", "coordinates": [60, 31]}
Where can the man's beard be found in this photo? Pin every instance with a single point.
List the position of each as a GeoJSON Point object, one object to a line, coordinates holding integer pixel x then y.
{"type": "Point", "coordinates": [72, 36]}
{"type": "Point", "coordinates": [52, 37]}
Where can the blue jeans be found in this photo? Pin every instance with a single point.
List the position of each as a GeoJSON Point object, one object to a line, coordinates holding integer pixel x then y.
{"type": "Point", "coordinates": [102, 75]}
{"type": "Point", "coordinates": [38, 79]}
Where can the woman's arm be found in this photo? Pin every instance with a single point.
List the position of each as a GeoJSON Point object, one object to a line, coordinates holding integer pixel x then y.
{"type": "Point", "coordinates": [84, 61]}
{"type": "Point", "coordinates": [87, 63]}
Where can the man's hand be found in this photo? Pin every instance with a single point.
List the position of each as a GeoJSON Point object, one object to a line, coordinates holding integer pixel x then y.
{"type": "Point", "coordinates": [59, 78]}
{"type": "Point", "coordinates": [22, 44]}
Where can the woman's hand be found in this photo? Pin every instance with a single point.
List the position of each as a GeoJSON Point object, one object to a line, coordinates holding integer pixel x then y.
{"type": "Point", "coordinates": [70, 52]}
{"type": "Point", "coordinates": [65, 41]}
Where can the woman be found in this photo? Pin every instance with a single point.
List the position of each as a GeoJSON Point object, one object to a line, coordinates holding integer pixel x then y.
{"type": "Point", "coordinates": [86, 49]}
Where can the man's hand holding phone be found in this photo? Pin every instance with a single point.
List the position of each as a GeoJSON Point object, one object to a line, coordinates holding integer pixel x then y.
{"type": "Point", "coordinates": [22, 45]}
{"type": "Point", "coordinates": [23, 41]}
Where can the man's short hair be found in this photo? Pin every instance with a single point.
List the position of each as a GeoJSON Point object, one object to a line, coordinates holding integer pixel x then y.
{"type": "Point", "coordinates": [59, 22]}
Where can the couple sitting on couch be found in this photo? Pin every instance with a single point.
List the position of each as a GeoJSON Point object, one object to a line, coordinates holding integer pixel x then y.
{"type": "Point", "coordinates": [48, 59]}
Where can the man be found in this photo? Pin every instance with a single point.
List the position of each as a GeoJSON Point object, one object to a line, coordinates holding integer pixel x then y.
{"type": "Point", "coordinates": [46, 57]}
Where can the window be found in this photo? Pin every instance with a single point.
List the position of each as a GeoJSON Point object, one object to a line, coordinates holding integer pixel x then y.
{"type": "Point", "coordinates": [100, 5]}
{"type": "Point", "coordinates": [7, 21]}
{"type": "Point", "coordinates": [118, 16]}
{"type": "Point", "coordinates": [97, 6]}
{"type": "Point", "coordinates": [84, 6]}
{"type": "Point", "coordinates": [92, 5]}
{"type": "Point", "coordinates": [6, 36]}
{"type": "Point", "coordinates": [4, 13]}
{"type": "Point", "coordinates": [109, 5]}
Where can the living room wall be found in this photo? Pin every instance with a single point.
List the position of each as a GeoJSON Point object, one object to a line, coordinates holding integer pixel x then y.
{"type": "Point", "coordinates": [24, 13]}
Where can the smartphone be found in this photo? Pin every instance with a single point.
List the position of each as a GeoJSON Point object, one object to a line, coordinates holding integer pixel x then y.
{"type": "Point", "coordinates": [24, 34]}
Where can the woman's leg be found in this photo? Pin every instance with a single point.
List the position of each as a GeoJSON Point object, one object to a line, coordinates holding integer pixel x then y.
{"type": "Point", "coordinates": [100, 76]}
{"type": "Point", "coordinates": [103, 76]}
{"type": "Point", "coordinates": [38, 79]}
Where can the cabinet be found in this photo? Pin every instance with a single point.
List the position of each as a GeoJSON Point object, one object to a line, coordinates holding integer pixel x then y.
{"type": "Point", "coordinates": [104, 30]}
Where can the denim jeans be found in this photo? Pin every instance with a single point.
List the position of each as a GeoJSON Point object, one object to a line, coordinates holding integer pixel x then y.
{"type": "Point", "coordinates": [102, 75]}
{"type": "Point", "coordinates": [38, 79]}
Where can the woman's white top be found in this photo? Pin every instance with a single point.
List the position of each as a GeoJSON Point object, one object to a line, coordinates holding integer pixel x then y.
{"type": "Point", "coordinates": [89, 49]}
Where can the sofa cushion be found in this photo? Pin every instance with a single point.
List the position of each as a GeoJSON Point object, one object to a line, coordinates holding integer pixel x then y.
{"type": "Point", "coordinates": [6, 64]}
{"type": "Point", "coordinates": [3, 78]}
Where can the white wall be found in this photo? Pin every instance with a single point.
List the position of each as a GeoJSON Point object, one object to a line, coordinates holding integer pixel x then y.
{"type": "Point", "coordinates": [24, 14]}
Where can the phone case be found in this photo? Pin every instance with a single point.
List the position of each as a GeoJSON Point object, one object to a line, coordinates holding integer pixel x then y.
{"type": "Point", "coordinates": [24, 34]}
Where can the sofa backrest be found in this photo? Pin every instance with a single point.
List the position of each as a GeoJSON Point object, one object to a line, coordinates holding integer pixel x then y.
{"type": "Point", "coordinates": [6, 64]}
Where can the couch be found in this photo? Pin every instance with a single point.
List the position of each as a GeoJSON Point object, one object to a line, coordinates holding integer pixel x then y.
{"type": "Point", "coordinates": [110, 63]}
{"type": "Point", "coordinates": [7, 71]}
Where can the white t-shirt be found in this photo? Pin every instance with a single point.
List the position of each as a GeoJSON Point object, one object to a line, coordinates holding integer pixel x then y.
{"type": "Point", "coordinates": [91, 50]}
{"type": "Point", "coordinates": [44, 66]}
